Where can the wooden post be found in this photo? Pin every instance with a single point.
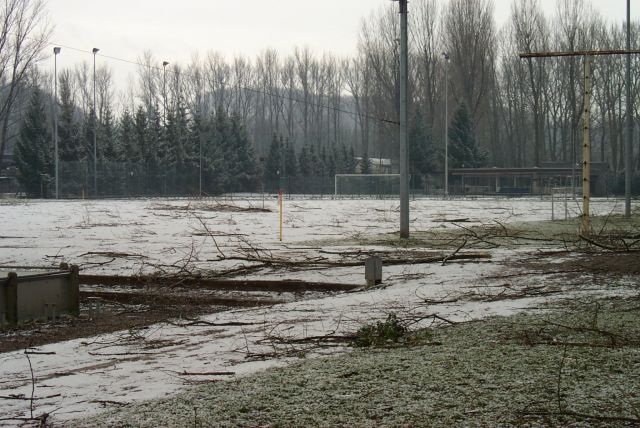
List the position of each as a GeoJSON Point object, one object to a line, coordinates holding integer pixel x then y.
{"type": "Point", "coordinates": [586, 149]}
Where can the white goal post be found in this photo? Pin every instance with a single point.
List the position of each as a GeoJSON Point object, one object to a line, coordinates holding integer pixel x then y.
{"type": "Point", "coordinates": [367, 184]}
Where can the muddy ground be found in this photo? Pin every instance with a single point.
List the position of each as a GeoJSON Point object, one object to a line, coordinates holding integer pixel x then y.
{"type": "Point", "coordinates": [108, 309]}
{"type": "Point", "coordinates": [105, 309]}
{"type": "Point", "coordinates": [572, 361]}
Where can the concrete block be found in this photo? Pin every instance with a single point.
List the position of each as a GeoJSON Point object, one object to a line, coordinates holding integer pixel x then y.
{"type": "Point", "coordinates": [39, 295]}
{"type": "Point", "coordinates": [373, 271]}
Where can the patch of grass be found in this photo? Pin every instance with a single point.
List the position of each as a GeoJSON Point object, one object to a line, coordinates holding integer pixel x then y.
{"type": "Point", "coordinates": [557, 367]}
{"type": "Point", "coordinates": [392, 330]}
{"type": "Point", "coordinates": [559, 233]}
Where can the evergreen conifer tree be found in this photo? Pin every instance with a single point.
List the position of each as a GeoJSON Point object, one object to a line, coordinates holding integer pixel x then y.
{"type": "Point", "coordinates": [365, 163]}
{"type": "Point", "coordinates": [86, 150]}
{"type": "Point", "coordinates": [212, 158]}
{"type": "Point", "coordinates": [290, 163]}
{"type": "Point", "coordinates": [156, 152]}
{"type": "Point", "coordinates": [331, 167]}
{"type": "Point", "coordinates": [315, 169]}
{"type": "Point", "coordinates": [222, 157]}
{"type": "Point", "coordinates": [274, 163]}
{"type": "Point", "coordinates": [128, 149]}
{"type": "Point", "coordinates": [183, 138]}
{"type": "Point", "coordinates": [463, 148]}
{"type": "Point", "coordinates": [243, 175]}
{"type": "Point", "coordinates": [107, 136]}
{"type": "Point", "coordinates": [340, 156]}
{"type": "Point", "coordinates": [69, 145]}
{"type": "Point", "coordinates": [33, 152]}
{"type": "Point", "coordinates": [138, 170]}
{"type": "Point", "coordinates": [350, 162]}
{"type": "Point", "coordinates": [108, 173]}
{"type": "Point", "coordinates": [304, 163]}
{"type": "Point", "coordinates": [217, 157]}
{"type": "Point", "coordinates": [192, 152]}
{"type": "Point", "coordinates": [421, 150]}
{"type": "Point", "coordinates": [323, 162]}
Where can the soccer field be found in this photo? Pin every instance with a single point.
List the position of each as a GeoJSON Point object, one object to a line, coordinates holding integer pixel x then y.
{"type": "Point", "coordinates": [454, 265]}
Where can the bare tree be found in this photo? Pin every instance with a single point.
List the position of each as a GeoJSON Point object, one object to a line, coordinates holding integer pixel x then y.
{"type": "Point", "coordinates": [357, 75]}
{"type": "Point", "coordinates": [513, 103]}
{"type": "Point", "coordinates": [83, 77]}
{"type": "Point", "coordinates": [268, 112]}
{"type": "Point", "coordinates": [304, 60]}
{"type": "Point", "coordinates": [529, 30]}
{"type": "Point", "coordinates": [218, 78]}
{"type": "Point", "coordinates": [150, 81]}
{"type": "Point", "coordinates": [25, 32]}
{"type": "Point", "coordinates": [243, 78]}
{"type": "Point", "coordinates": [568, 35]}
{"type": "Point", "coordinates": [379, 43]}
{"type": "Point", "coordinates": [469, 39]}
{"type": "Point", "coordinates": [608, 93]}
{"type": "Point", "coordinates": [428, 53]}
{"type": "Point", "coordinates": [104, 90]}
{"type": "Point", "coordinates": [288, 82]}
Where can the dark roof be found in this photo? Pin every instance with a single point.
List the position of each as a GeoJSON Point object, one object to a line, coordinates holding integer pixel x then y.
{"type": "Point", "coordinates": [596, 169]}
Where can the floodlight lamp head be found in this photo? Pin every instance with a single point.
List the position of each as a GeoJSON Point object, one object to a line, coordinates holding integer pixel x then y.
{"type": "Point", "coordinates": [56, 50]}
{"type": "Point", "coordinates": [95, 50]}
{"type": "Point", "coordinates": [165, 63]}
{"type": "Point", "coordinates": [403, 5]}
{"type": "Point", "coordinates": [445, 55]}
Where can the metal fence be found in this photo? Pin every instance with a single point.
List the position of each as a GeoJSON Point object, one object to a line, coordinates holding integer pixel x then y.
{"type": "Point", "coordinates": [134, 179]}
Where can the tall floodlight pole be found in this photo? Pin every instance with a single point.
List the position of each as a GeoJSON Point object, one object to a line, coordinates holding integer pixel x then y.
{"type": "Point", "coordinates": [404, 155]}
{"type": "Point", "coordinates": [446, 124]}
{"type": "Point", "coordinates": [95, 139]}
{"type": "Point", "coordinates": [56, 51]}
{"type": "Point", "coordinates": [628, 149]}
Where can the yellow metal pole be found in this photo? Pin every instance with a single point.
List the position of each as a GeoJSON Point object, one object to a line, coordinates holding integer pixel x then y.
{"type": "Point", "coordinates": [586, 150]}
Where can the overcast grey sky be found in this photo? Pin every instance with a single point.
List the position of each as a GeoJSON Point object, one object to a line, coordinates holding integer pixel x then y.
{"type": "Point", "coordinates": [174, 30]}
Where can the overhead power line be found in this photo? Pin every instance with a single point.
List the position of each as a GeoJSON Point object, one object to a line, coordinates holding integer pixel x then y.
{"type": "Point", "coordinates": [577, 53]}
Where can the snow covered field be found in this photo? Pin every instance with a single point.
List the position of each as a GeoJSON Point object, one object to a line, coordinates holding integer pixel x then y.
{"type": "Point", "coordinates": [126, 237]}
{"type": "Point", "coordinates": [153, 232]}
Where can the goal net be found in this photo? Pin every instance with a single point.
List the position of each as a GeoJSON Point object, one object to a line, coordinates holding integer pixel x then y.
{"type": "Point", "coordinates": [371, 185]}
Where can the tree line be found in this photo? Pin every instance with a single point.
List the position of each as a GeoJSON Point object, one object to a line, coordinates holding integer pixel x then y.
{"type": "Point", "coordinates": [503, 111]}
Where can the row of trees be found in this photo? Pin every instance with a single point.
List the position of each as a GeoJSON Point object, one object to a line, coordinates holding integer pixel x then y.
{"type": "Point", "coordinates": [185, 152]}
{"type": "Point", "coordinates": [504, 111]}
{"type": "Point", "coordinates": [141, 153]}
{"type": "Point", "coordinates": [526, 112]}
{"type": "Point", "coordinates": [284, 161]}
